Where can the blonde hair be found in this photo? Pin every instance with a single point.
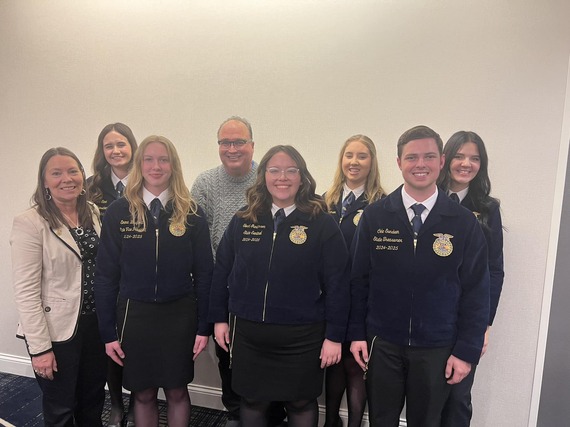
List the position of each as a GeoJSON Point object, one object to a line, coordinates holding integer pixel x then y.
{"type": "Point", "coordinates": [182, 202]}
{"type": "Point", "coordinates": [373, 189]}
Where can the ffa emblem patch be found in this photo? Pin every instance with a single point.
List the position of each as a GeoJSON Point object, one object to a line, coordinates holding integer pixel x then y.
{"type": "Point", "coordinates": [298, 235]}
{"type": "Point", "coordinates": [442, 245]}
{"type": "Point", "coordinates": [357, 216]}
{"type": "Point", "coordinates": [177, 229]}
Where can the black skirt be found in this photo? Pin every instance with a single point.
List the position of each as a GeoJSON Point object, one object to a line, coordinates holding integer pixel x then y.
{"type": "Point", "coordinates": [277, 362]}
{"type": "Point", "coordinates": [158, 341]}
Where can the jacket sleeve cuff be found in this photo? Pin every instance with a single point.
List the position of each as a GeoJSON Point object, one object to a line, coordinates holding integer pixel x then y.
{"type": "Point", "coordinates": [355, 333]}
{"type": "Point", "coordinates": [466, 352]}
{"type": "Point", "coordinates": [335, 333]}
{"type": "Point", "coordinates": [41, 352]}
{"type": "Point", "coordinates": [205, 329]}
{"type": "Point", "coordinates": [218, 316]}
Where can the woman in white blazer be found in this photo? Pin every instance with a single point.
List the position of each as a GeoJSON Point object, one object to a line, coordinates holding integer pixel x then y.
{"type": "Point", "coordinates": [54, 246]}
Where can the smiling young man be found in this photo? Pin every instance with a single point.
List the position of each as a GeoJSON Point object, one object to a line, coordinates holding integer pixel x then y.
{"type": "Point", "coordinates": [420, 291]}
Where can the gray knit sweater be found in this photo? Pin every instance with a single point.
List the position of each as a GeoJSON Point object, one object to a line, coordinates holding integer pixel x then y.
{"type": "Point", "coordinates": [221, 196]}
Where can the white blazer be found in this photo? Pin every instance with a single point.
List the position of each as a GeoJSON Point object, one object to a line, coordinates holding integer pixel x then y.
{"type": "Point", "coordinates": [46, 273]}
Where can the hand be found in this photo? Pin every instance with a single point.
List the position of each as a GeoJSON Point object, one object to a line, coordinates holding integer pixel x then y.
{"type": "Point", "coordinates": [222, 335]}
{"type": "Point", "coordinates": [200, 344]}
{"type": "Point", "coordinates": [359, 350]}
{"type": "Point", "coordinates": [486, 341]}
{"type": "Point", "coordinates": [330, 353]}
{"type": "Point", "coordinates": [115, 352]}
{"type": "Point", "coordinates": [456, 369]}
{"type": "Point", "coordinates": [45, 365]}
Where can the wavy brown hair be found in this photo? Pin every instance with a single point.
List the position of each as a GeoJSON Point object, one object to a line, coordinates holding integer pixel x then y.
{"type": "Point", "coordinates": [182, 202]}
{"type": "Point", "coordinates": [259, 199]}
{"type": "Point", "coordinates": [45, 205]}
{"type": "Point", "coordinates": [372, 189]}
{"type": "Point", "coordinates": [102, 169]}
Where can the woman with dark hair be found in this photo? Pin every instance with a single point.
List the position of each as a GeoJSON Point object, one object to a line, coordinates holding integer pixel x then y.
{"type": "Point", "coordinates": [112, 163]}
{"type": "Point", "coordinates": [153, 282]}
{"type": "Point", "coordinates": [465, 177]}
{"type": "Point", "coordinates": [356, 184]}
{"type": "Point", "coordinates": [54, 245]}
{"type": "Point", "coordinates": [280, 292]}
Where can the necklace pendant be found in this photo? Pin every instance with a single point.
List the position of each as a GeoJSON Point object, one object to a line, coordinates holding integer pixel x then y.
{"type": "Point", "coordinates": [78, 231]}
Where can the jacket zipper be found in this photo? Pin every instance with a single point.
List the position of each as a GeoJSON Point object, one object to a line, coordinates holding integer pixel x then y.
{"type": "Point", "coordinates": [410, 325]}
{"type": "Point", "coordinates": [231, 345]}
{"type": "Point", "coordinates": [369, 357]}
{"type": "Point", "coordinates": [156, 267]}
{"type": "Point", "coordinates": [267, 283]}
{"type": "Point", "coordinates": [124, 322]}
{"type": "Point", "coordinates": [412, 302]}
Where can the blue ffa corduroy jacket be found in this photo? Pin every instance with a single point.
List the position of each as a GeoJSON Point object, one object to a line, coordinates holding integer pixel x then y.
{"type": "Point", "coordinates": [494, 235]}
{"type": "Point", "coordinates": [301, 277]}
{"type": "Point", "coordinates": [152, 266]}
{"type": "Point", "coordinates": [109, 194]}
{"type": "Point", "coordinates": [349, 223]}
{"type": "Point", "coordinates": [435, 295]}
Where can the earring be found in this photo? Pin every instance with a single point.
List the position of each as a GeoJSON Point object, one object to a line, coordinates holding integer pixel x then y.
{"type": "Point", "coordinates": [82, 192]}
{"type": "Point", "coordinates": [47, 194]}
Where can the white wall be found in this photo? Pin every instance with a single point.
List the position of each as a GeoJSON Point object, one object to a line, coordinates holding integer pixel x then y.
{"type": "Point", "coordinates": [310, 74]}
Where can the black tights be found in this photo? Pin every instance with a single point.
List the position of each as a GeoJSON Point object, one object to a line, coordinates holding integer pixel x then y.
{"type": "Point", "coordinates": [345, 375]}
{"type": "Point", "coordinates": [178, 407]}
{"type": "Point", "coordinates": [300, 413]}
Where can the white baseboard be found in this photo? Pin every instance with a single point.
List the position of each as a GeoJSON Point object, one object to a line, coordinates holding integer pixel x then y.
{"type": "Point", "coordinates": [16, 365]}
{"type": "Point", "coordinates": [208, 397]}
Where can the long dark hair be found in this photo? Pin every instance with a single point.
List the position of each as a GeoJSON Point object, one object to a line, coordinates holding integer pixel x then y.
{"type": "Point", "coordinates": [259, 199]}
{"type": "Point", "coordinates": [480, 186]}
{"type": "Point", "coordinates": [102, 169]}
{"type": "Point", "coordinates": [45, 205]}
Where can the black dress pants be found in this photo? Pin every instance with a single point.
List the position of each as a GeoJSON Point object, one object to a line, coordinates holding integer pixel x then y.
{"type": "Point", "coordinates": [458, 409]}
{"type": "Point", "coordinates": [230, 398]}
{"type": "Point", "coordinates": [76, 395]}
{"type": "Point", "coordinates": [414, 375]}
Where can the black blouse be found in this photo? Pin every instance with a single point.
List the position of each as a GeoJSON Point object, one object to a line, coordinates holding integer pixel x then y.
{"type": "Point", "coordinates": [88, 242]}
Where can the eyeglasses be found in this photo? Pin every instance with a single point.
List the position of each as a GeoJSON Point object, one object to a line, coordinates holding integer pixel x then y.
{"type": "Point", "coordinates": [289, 172]}
{"type": "Point", "coordinates": [238, 143]}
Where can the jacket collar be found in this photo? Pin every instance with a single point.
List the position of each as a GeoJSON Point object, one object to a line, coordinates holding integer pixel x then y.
{"type": "Point", "coordinates": [295, 215]}
{"type": "Point", "coordinates": [359, 203]}
{"type": "Point", "coordinates": [64, 234]}
{"type": "Point", "coordinates": [444, 207]}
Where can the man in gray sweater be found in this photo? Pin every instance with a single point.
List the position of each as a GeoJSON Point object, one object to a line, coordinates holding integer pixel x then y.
{"type": "Point", "coordinates": [221, 193]}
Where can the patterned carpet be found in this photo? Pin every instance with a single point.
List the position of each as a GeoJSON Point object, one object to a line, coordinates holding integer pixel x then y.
{"type": "Point", "coordinates": [21, 406]}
